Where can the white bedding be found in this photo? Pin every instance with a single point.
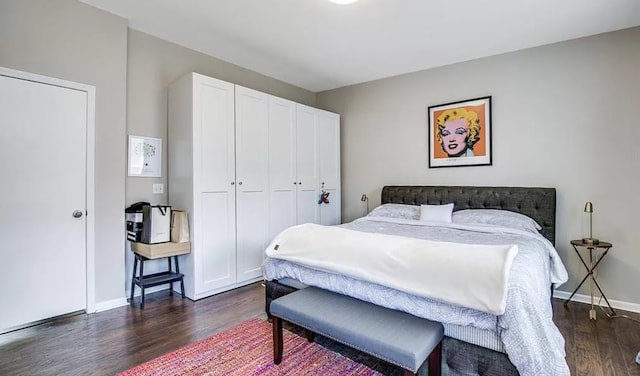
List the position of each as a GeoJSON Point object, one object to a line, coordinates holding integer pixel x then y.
{"type": "Point", "coordinates": [449, 271]}
{"type": "Point", "coordinates": [532, 341]}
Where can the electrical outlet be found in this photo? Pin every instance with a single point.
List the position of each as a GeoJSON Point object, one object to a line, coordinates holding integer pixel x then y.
{"type": "Point", "coordinates": [158, 189]}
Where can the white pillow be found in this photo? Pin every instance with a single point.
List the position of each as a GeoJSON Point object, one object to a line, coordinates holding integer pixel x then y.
{"type": "Point", "coordinates": [496, 217]}
{"type": "Point", "coordinates": [396, 211]}
{"type": "Point", "coordinates": [436, 213]}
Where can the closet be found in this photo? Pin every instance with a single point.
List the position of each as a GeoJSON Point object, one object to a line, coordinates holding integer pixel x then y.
{"type": "Point", "coordinates": [245, 165]}
{"type": "Point", "coordinates": [304, 157]}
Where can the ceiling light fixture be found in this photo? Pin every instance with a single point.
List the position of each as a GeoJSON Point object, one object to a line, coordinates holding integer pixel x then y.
{"type": "Point", "coordinates": [343, 2]}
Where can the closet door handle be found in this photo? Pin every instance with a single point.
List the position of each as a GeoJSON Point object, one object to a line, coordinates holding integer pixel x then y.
{"type": "Point", "coordinates": [295, 183]}
{"type": "Point", "coordinates": [239, 183]}
{"type": "Point", "coordinates": [299, 183]}
{"type": "Point", "coordinates": [233, 183]}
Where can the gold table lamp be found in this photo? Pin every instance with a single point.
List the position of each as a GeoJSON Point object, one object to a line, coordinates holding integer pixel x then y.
{"type": "Point", "coordinates": [588, 208]}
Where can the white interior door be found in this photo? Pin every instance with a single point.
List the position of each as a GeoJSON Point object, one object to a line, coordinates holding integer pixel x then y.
{"type": "Point", "coordinates": [43, 146]}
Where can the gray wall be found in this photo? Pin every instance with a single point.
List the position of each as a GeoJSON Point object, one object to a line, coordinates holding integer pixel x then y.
{"type": "Point", "coordinates": [564, 116]}
{"type": "Point", "coordinates": [73, 41]}
{"type": "Point", "coordinates": [152, 65]}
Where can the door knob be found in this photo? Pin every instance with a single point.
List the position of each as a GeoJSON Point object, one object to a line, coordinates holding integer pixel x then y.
{"type": "Point", "coordinates": [77, 214]}
{"type": "Point", "coordinates": [233, 183]}
{"type": "Point", "coordinates": [240, 183]}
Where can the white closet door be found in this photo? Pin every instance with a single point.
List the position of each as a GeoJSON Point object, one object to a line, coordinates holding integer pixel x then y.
{"type": "Point", "coordinates": [214, 185]}
{"type": "Point", "coordinates": [252, 181]}
{"type": "Point", "coordinates": [43, 164]}
{"type": "Point", "coordinates": [282, 165]}
{"type": "Point", "coordinates": [307, 165]}
{"type": "Point", "coordinates": [329, 166]}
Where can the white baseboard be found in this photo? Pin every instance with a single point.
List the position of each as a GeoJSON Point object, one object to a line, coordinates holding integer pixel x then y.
{"type": "Point", "coordinates": [120, 302]}
{"type": "Point", "coordinates": [219, 290]}
{"type": "Point", "coordinates": [626, 306]}
{"type": "Point", "coordinates": [110, 304]}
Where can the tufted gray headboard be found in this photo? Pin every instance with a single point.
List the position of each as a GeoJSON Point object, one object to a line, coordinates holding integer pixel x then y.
{"type": "Point", "coordinates": [537, 203]}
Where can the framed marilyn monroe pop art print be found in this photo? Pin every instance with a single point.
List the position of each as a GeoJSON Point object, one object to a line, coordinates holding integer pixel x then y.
{"type": "Point", "coordinates": [460, 133]}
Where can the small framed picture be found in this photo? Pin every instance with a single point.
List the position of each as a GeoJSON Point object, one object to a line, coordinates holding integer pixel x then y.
{"type": "Point", "coordinates": [145, 156]}
{"type": "Point", "coordinates": [460, 133]}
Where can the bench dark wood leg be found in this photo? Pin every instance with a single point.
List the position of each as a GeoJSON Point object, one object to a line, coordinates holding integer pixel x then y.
{"type": "Point", "coordinates": [435, 359]}
{"type": "Point", "coordinates": [277, 339]}
{"type": "Point", "coordinates": [311, 336]}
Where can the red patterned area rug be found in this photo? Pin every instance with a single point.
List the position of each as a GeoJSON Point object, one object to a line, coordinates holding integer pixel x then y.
{"type": "Point", "coordinates": [247, 349]}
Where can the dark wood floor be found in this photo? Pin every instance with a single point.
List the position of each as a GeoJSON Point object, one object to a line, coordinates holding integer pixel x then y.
{"type": "Point", "coordinates": [112, 341]}
{"type": "Point", "coordinates": [601, 347]}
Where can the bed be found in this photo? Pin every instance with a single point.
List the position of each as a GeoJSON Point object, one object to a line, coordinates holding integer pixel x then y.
{"type": "Point", "coordinates": [522, 340]}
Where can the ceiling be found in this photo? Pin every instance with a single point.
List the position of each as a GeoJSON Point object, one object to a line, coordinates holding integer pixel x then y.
{"type": "Point", "coordinates": [317, 45]}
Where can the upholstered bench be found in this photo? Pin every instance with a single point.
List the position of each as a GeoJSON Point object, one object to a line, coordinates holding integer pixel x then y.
{"type": "Point", "coordinates": [394, 336]}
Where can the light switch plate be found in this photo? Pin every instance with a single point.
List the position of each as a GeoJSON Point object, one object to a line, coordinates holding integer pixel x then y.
{"type": "Point", "coordinates": [158, 189]}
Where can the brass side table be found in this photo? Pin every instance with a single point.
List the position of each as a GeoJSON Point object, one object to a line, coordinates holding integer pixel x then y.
{"type": "Point", "coordinates": [591, 268]}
